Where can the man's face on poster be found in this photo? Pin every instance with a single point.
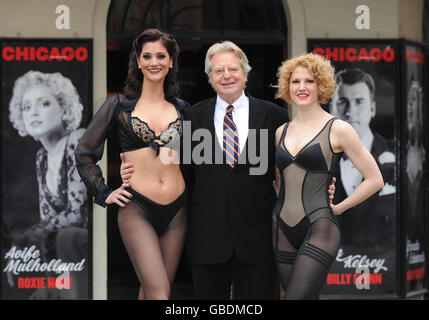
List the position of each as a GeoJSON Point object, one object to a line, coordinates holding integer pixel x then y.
{"type": "Point", "coordinates": [353, 103]}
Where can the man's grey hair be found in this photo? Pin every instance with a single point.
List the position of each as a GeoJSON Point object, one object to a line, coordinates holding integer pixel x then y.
{"type": "Point", "coordinates": [222, 47]}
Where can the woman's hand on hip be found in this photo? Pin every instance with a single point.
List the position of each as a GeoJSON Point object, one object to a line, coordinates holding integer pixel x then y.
{"type": "Point", "coordinates": [120, 196]}
{"type": "Point", "coordinates": [127, 168]}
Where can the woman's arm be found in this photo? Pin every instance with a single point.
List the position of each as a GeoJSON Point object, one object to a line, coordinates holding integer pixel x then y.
{"type": "Point", "coordinates": [127, 168]}
{"type": "Point", "coordinates": [90, 150]}
{"type": "Point", "coordinates": [276, 182]}
{"type": "Point", "coordinates": [345, 139]}
{"type": "Point", "coordinates": [77, 207]}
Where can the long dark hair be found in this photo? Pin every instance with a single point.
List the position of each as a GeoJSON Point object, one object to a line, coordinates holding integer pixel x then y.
{"type": "Point", "coordinates": [133, 84]}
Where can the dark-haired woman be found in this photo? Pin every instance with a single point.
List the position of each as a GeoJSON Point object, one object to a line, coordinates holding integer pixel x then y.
{"type": "Point", "coordinates": [152, 214]}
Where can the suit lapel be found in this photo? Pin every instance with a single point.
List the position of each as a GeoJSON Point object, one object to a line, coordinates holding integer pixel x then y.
{"type": "Point", "coordinates": [257, 115]}
{"type": "Point", "coordinates": [207, 115]}
{"type": "Point", "coordinates": [207, 121]}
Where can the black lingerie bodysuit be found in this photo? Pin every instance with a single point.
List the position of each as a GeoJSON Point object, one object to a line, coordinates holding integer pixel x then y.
{"type": "Point", "coordinates": [114, 117]}
{"type": "Point", "coordinates": [304, 200]}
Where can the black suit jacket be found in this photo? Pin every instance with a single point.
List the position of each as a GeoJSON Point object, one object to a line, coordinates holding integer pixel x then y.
{"type": "Point", "coordinates": [371, 224]}
{"type": "Point", "coordinates": [230, 209]}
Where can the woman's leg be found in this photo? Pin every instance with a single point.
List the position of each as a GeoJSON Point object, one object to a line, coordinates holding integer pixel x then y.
{"type": "Point", "coordinates": [172, 241]}
{"type": "Point", "coordinates": [155, 259]}
{"type": "Point", "coordinates": [285, 254]}
{"type": "Point", "coordinates": [313, 261]}
{"type": "Point", "coordinates": [143, 247]}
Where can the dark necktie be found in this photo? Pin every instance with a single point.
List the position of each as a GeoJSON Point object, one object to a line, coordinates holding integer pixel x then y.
{"type": "Point", "coordinates": [230, 138]}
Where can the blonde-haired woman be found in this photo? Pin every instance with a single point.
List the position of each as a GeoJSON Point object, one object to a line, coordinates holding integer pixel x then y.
{"type": "Point", "coordinates": [306, 235]}
{"type": "Point", "coordinates": [46, 107]}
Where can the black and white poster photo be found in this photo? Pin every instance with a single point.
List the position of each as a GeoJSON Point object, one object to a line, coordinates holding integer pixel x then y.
{"type": "Point", "coordinates": [414, 149]}
{"type": "Point", "coordinates": [50, 254]}
{"type": "Point", "coordinates": [354, 102]}
{"type": "Point", "coordinates": [413, 166]}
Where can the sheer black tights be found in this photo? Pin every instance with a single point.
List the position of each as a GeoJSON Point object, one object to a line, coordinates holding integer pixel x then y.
{"type": "Point", "coordinates": [155, 258]}
{"type": "Point", "coordinates": [303, 272]}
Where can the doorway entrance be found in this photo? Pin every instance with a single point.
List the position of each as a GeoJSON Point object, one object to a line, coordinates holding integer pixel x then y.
{"type": "Point", "coordinates": [256, 26]}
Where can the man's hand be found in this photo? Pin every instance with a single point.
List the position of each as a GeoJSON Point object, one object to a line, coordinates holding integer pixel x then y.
{"type": "Point", "coordinates": [127, 168]}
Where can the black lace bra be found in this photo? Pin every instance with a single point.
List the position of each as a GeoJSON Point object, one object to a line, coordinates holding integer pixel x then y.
{"type": "Point", "coordinates": [168, 136]}
{"type": "Point", "coordinates": [114, 120]}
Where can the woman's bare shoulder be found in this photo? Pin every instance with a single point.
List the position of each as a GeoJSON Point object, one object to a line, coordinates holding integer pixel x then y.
{"type": "Point", "coordinates": [341, 127]}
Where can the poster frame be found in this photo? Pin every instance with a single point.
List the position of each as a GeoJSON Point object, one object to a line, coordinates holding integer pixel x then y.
{"type": "Point", "coordinates": [398, 292]}
{"type": "Point", "coordinates": [88, 43]}
{"type": "Point", "coordinates": [404, 294]}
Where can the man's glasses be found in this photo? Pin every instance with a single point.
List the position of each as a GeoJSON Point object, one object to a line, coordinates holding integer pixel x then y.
{"type": "Point", "coordinates": [221, 71]}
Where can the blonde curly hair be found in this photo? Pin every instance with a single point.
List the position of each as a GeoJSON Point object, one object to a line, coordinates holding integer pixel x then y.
{"type": "Point", "coordinates": [62, 89]}
{"type": "Point", "coordinates": [319, 67]}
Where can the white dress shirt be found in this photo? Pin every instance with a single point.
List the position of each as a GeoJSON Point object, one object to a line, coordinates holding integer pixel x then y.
{"type": "Point", "coordinates": [240, 116]}
{"type": "Point", "coordinates": [350, 176]}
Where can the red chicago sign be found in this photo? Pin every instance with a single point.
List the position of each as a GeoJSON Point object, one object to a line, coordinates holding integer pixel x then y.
{"type": "Point", "coordinates": [356, 54]}
{"type": "Point", "coordinates": [42, 53]}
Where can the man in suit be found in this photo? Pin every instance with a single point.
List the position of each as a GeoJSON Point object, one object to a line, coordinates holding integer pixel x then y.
{"type": "Point", "coordinates": [370, 225]}
{"type": "Point", "coordinates": [232, 195]}
{"type": "Point", "coordinates": [229, 232]}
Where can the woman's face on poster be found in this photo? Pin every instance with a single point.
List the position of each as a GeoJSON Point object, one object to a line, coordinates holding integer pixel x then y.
{"type": "Point", "coordinates": [41, 112]}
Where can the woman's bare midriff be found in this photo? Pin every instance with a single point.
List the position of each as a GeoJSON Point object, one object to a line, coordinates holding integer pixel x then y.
{"type": "Point", "coordinates": [156, 178]}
